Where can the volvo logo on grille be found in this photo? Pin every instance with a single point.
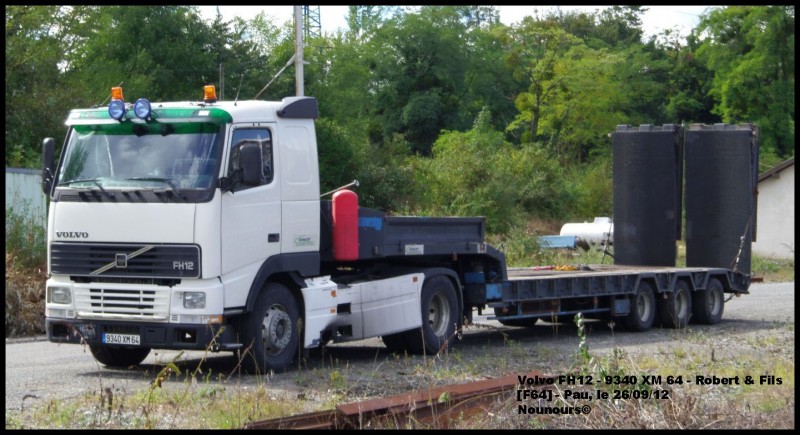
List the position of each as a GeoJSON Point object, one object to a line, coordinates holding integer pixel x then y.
{"type": "Point", "coordinates": [72, 235]}
{"type": "Point", "coordinates": [122, 261]}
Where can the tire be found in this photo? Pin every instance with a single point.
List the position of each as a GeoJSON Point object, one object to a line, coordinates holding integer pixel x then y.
{"type": "Point", "coordinates": [121, 357]}
{"type": "Point", "coordinates": [676, 309]}
{"type": "Point", "coordinates": [394, 342]}
{"type": "Point", "coordinates": [709, 304]}
{"type": "Point", "coordinates": [440, 314]}
{"type": "Point", "coordinates": [271, 331]}
{"type": "Point", "coordinates": [643, 309]}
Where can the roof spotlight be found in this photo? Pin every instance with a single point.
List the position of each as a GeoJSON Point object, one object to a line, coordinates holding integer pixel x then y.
{"type": "Point", "coordinates": [116, 109]}
{"type": "Point", "coordinates": [142, 109]}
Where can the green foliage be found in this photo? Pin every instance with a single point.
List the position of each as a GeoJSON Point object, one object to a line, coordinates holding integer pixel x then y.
{"type": "Point", "coordinates": [478, 173]}
{"type": "Point", "coordinates": [386, 175]}
{"type": "Point", "coordinates": [335, 147]}
{"type": "Point", "coordinates": [39, 42]}
{"type": "Point", "coordinates": [750, 49]}
{"type": "Point", "coordinates": [400, 80]}
{"type": "Point", "coordinates": [25, 238]}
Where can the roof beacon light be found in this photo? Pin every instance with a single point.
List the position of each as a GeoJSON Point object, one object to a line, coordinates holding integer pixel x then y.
{"type": "Point", "coordinates": [116, 93]}
{"type": "Point", "coordinates": [142, 109]}
{"type": "Point", "coordinates": [209, 94]}
{"type": "Point", "coordinates": [116, 108]}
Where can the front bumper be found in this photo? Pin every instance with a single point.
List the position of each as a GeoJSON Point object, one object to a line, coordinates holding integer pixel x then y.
{"type": "Point", "coordinates": [174, 336]}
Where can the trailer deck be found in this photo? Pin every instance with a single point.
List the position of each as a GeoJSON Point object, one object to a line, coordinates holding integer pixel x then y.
{"type": "Point", "coordinates": [530, 293]}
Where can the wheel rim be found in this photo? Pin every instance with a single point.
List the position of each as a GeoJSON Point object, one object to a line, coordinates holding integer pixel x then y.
{"type": "Point", "coordinates": [714, 301]}
{"type": "Point", "coordinates": [682, 304]}
{"type": "Point", "coordinates": [643, 306]}
{"type": "Point", "coordinates": [439, 314]}
{"type": "Point", "coordinates": [276, 329]}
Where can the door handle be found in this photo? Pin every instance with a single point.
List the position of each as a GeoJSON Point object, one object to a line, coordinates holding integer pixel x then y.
{"type": "Point", "coordinates": [274, 238]}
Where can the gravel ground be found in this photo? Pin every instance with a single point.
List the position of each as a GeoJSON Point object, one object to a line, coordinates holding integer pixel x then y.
{"type": "Point", "coordinates": [755, 326]}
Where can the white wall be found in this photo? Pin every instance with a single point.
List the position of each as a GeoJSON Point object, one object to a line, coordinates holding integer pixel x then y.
{"type": "Point", "coordinates": [775, 225]}
{"type": "Point", "coordinates": [24, 194]}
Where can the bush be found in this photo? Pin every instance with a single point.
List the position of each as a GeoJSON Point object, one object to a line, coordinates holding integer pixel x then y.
{"type": "Point", "coordinates": [26, 240]}
{"type": "Point", "coordinates": [26, 255]}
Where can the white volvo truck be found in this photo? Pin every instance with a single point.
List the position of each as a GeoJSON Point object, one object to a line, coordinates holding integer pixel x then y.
{"type": "Point", "coordinates": [199, 225]}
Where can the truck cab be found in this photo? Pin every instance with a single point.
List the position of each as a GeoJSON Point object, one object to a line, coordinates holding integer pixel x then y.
{"type": "Point", "coordinates": [199, 225]}
{"type": "Point", "coordinates": [158, 222]}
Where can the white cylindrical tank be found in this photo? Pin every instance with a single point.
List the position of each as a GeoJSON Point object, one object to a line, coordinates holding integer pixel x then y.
{"type": "Point", "coordinates": [597, 232]}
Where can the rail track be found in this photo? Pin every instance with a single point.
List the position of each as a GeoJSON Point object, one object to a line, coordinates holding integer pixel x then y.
{"type": "Point", "coordinates": [435, 407]}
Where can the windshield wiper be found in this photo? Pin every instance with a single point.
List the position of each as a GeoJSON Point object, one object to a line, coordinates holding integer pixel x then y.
{"type": "Point", "coordinates": [88, 180]}
{"type": "Point", "coordinates": [167, 181]}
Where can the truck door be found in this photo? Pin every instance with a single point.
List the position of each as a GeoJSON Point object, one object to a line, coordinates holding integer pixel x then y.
{"type": "Point", "coordinates": [251, 215]}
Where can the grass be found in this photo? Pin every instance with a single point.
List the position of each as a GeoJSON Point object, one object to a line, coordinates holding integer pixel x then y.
{"type": "Point", "coordinates": [181, 399]}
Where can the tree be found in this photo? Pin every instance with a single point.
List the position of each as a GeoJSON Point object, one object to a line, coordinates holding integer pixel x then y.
{"type": "Point", "coordinates": [689, 83]}
{"type": "Point", "coordinates": [419, 75]}
{"type": "Point", "coordinates": [750, 50]}
{"type": "Point", "coordinates": [40, 42]}
{"type": "Point", "coordinates": [535, 49]}
{"type": "Point", "coordinates": [363, 20]}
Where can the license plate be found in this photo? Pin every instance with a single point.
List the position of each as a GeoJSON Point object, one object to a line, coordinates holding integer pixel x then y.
{"type": "Point", "coordinates": [122, 339]}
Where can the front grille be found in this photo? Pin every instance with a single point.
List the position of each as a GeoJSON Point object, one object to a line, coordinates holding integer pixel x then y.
{"type": "Point", "coordinates": [141, 304]}
{"type": "Point", "coordinates": [125, 261]}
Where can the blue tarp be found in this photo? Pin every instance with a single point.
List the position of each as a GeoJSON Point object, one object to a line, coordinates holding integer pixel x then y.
{"type": "Point", "coordinates": [557, 242]}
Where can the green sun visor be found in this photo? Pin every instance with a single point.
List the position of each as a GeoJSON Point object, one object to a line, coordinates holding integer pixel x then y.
{"type": "Point", "coordinates": [99, 117]}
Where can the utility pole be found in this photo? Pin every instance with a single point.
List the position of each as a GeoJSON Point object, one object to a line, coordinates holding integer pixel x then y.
{"type": "Point", "coordinates": [221, 82]}
{"type": "Point", "coordinates": [298, 58]}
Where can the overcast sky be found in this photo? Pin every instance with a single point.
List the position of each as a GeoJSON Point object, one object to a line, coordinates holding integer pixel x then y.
{"type": "Point", "coordinates": [656, 19]}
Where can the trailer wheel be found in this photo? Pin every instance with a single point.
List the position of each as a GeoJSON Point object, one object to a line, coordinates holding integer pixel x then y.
{"type": "Point", "coordinates": [708, 304]}
{"type": "Point", "coordinates": [440, 314]}
{"type": "Point", "coordinates": [676, 309]}
{"type": "Point", "coordinates": [271, 331]}
{"type": "Point", "coordinates": [119, 356]}
{"type": "Point", "coordinates": [643, 309]}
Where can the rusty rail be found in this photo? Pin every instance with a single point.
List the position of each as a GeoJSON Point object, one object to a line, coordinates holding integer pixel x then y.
{"type": "Point", "coordinates": [434, 406]}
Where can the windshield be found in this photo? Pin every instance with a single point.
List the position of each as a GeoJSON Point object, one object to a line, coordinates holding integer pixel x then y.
{"type": "Point", "coordinates": [119, 156]}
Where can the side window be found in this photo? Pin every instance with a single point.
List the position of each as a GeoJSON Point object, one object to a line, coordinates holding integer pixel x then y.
{"type": "Point", "coordinates": [260, 136]}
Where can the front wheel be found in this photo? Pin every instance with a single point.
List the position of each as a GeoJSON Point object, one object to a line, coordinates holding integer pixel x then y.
{"type": "Point", "coordinates": [440, 314]}
{"type": "Point", "coordinates": [643, 309]}
{"type": "Point", "coordinates": [119, 356]}
{"type": "Point", "coordinates": [272, 331]}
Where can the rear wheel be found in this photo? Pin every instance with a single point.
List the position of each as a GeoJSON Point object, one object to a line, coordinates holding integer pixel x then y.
{"type": "Point", "coordinates": [440, 315]}
{"type": "Point", "coordinates": [271, 331]}
{"type": "Point", "coordinates": [676, 309]}
{"type": "Point", "coordinates": [119, 356]}
{"type": "Point", "coordinates": [643, 309]}
{"type": "Point", "coordinates": [708, 304]}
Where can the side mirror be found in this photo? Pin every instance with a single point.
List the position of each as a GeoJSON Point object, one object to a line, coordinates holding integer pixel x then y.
{"type": "Point", "coordinates": [250, 162]}
{"type": "Point", "coordinates": [48, 164]}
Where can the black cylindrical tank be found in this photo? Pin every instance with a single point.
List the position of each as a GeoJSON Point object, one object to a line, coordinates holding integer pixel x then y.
{"type": "Point", "coordinates": [721, 180]}
{"type": "Point", "coordinates": [647, 192]}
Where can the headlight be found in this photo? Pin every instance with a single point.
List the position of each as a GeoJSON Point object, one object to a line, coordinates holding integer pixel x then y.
{"type": "Point", "coordinates": [59, 295]}
{"type": "Point", "coordinates": [194, 300]}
